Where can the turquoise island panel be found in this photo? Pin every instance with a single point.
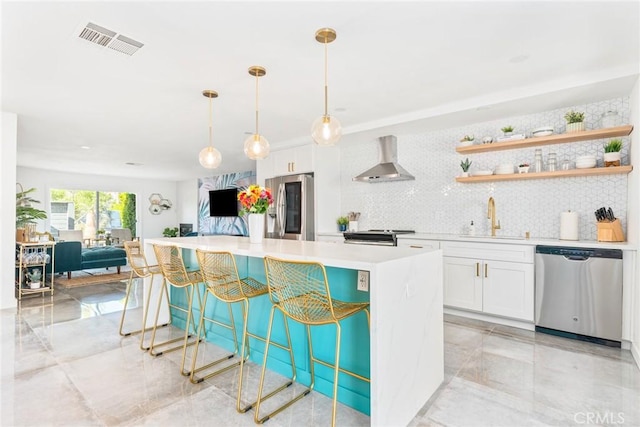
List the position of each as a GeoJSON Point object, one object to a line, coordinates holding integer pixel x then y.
{"type": "Point", "coordinates": [355, 343]}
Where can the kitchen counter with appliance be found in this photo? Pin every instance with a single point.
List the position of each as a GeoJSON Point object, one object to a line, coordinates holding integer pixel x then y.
{"type": "Point", "coordinates": [514, 240]}
{"type": "Point", "coordinates": [405, 295]}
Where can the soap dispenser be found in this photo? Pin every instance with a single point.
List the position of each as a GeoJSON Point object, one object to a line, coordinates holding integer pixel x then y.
{"type": "Point", "coordinates": [472, 229]}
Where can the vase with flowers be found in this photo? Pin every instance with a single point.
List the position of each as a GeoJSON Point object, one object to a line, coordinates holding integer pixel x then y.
{"type": "Point", "coordinates": [255, 201]}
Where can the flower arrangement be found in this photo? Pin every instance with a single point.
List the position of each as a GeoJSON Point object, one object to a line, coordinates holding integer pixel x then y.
{"type": "Point", "coordinates": [255, 199]}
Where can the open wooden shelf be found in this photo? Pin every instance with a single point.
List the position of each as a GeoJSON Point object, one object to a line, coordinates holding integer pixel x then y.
{"type": "Point", "coordinates": [612, 170]}
{"type": "Point", "coordinates": [548, 140]}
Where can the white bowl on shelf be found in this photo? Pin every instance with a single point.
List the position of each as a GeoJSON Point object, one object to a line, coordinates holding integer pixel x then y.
{"type": "Point", "coordinates": [586, 158]}
{"type": "Point", "coordinates": [585, 165]}
{"type": "Point", "coordinates": [543, 131]}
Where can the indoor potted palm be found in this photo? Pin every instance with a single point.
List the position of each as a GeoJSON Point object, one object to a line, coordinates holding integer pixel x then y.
{"type": "Point", "coordinates": [575, 121]}
{"type": "Point", "coordinates": [26, 215]}
{"type": "Point", "coordinates": [612, 152]}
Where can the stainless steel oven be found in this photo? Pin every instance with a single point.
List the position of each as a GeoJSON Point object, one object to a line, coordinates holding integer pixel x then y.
{"type": "Point", "coordinates": [374, 237]}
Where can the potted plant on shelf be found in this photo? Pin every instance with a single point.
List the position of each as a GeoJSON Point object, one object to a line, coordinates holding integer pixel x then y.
{"type": "Point", "coordinates": [170, 232]}
{"type": "Point", "coordinates": [507, 130]}
{"type": "Point", "coordinates": [33, 277]}
{"type": "Point", "coordinates": [465, 165]}
{"type": "Point", "coordinates": [523, 168]}
{"type": "Point", "coordinates": [342, 221]}
{"type": "Point", "coordinates": [575, 121]}
{"type": "Point", "coordinates": [467, 140]}
{"type": "Point", "coordinates": [26, 214]}
{"type": "Point", "coordinates": [612, 152]}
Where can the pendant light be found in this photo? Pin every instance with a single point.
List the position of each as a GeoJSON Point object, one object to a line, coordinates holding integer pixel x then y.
{"type": "Point", "coordinates": [256, 146]}
{"type": "Point", "coordinates": [210, 157]}
{"type": "Point", "coordinates": [326, 130]}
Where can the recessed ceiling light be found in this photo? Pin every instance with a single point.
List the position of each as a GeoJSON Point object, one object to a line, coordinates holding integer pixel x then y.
{"type": "Point", "coordinates": [518, 58]}
{"type": "Point", "coordinates": [85, 147]}
{"type": "Point", "coordinates": [133, 164]}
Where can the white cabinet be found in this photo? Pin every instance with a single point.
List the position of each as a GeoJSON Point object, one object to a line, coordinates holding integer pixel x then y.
{"type": "Point", "coordinates": [493, 279]}
{"type": "Point", "coordinates": [293, 160]}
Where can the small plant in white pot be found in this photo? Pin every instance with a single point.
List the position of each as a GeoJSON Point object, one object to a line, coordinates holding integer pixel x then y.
{"type": "Point", "coordinates": [465, 165]}
{"type": "Point", "coordinates": [34, 277]}
{"type": "Point", "coordinates": [575, 121]}
{"type": "Point", "coordinates": [507, 130]}
{"type": "Point", "coordinates": [612, 152]}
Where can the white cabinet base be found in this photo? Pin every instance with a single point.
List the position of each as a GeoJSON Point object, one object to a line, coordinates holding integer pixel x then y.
{"type": "Point", "coordinates": [529, 326]}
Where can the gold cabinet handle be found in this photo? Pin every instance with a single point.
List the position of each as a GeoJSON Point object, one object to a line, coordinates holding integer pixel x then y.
{"type": "Point", "coordinates": [416, 246]}
{"type": "Point", "coordinates": [485, 270]}
{"type": "Point", "coordinates": [477, 269]}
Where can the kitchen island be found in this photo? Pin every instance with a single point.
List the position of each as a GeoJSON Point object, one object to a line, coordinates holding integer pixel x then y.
{"type": "Point", "coordinates": [405, 293]}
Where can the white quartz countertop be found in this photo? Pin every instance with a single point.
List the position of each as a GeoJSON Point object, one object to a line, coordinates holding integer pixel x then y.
{"type": "Point", "coordinates": [362, 257]}
{"type": "Point", "coordinates": [626, 246]}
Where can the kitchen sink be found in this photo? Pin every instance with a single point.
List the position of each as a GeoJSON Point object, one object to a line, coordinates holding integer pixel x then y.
{"type": "Point", "coordinates": [496, 237]}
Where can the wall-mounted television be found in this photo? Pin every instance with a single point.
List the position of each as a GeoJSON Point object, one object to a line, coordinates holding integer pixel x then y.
{"type": "Point", "coordinates": [223, 202]}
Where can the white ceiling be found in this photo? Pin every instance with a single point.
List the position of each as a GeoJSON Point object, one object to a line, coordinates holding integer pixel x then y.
{"type": "Point", "coordinates": [426, 64]}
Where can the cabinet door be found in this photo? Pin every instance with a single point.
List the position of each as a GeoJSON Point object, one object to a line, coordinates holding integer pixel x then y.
{"type": "Point", "coordinates": [292, 160]}
{"type": "Point", "coordinates": [463, 283]}
{"type": "Point", "coordinates": [302, 159]}
{"type": "Point", "coordinates": [508, 289]}
{"type": "Point", "coordinates": [282, 161]}
{"type": "Point", "coordinates": [419, 243]}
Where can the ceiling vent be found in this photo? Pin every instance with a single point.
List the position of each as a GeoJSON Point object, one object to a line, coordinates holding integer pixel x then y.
{"type": "Point", "coordinates": [101, 36]}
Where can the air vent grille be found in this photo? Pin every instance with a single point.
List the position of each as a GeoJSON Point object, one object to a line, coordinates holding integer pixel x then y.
{"type": "Point", "coordinates": [101, 36]}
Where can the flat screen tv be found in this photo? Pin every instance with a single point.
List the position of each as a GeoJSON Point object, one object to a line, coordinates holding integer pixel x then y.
{"type": "Point", "coordinates": [223, 202]}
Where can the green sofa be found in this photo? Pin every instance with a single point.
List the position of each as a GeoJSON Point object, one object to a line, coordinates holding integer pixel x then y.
{"type": "Point", "coordinates": [71, 256]}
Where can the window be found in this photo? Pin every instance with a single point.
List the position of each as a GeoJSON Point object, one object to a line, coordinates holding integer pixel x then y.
{"type": "Point", "coordinates": [91, 211]}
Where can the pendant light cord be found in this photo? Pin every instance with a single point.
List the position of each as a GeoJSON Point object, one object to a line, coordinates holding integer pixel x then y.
{"type": "Point", "coordinates": [210, 123]}
{"type": "Point", "coordinates": [257, 104]}
{"type": "Point", "coordinates": [326, 85]}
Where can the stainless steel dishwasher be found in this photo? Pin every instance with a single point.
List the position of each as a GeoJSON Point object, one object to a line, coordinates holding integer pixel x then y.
{"type": "Point", "coordinates": [579, 293]}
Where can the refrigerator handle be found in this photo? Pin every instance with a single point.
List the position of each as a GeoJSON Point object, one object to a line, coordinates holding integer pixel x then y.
{"type": "Point", "coordinates": [282, 208]}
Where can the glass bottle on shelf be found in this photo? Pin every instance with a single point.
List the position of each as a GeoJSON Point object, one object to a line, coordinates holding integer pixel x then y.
{"type": "Point", "coordinates": [551, 162]}
{"type": "Point", "coordinates": [537, 164]}
{"type": "Point", "coordinates": [566, 165]}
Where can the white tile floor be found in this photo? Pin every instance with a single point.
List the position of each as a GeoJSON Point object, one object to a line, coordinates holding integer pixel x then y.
{"type": "Point", "coordinates": [65, 364]}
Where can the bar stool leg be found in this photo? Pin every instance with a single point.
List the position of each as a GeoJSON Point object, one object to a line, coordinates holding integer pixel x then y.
{"type": "Point", "coordinates": [305, 392]}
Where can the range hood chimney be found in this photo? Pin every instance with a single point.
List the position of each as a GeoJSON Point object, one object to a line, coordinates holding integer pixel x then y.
{"type": "Point", "coordinates": [387, 168]}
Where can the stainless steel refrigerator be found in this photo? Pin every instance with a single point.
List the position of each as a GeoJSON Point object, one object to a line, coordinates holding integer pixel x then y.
{"type": "Point", "coordinates": [291, 214]}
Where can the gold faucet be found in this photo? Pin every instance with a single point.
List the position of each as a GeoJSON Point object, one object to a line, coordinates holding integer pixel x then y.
{"type": "Point", "coordinates": [491, 214]}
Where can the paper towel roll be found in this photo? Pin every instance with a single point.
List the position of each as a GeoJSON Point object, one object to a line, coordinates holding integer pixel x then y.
{"type": "Point", "coordinates": [569, 229]}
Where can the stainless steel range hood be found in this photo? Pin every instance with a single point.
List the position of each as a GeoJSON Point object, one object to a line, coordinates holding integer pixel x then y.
{"type": "Point", "coordinates": [387, 168]}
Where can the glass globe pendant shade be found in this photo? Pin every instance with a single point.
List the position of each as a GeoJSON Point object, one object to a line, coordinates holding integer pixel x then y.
{"type": "Point", "coordinates": [256, 147]}
{"type": "Point", "coordinates": [326, 130]}
{"type": "Point", "coordinates": [210, 157]}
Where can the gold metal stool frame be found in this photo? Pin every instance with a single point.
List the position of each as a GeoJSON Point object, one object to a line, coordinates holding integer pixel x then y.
{"type": "Point", "coordinates": [170, 261]}
{"type": "Point", "coordinates": [141, 269]}
{"type": "Point", "coordinates": [300, 290]}
{"type": "Point", "coordinates": [220, 273]}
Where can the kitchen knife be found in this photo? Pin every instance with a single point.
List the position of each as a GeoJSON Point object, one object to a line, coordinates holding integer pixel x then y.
{"type": "Point", "coordinates": [610, 214]}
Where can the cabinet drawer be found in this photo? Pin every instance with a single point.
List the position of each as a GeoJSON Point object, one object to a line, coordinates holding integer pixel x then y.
{"type": "Point", "coordinates": [489, 251]}
{"type": "Point", "coordinates": [419, 243]}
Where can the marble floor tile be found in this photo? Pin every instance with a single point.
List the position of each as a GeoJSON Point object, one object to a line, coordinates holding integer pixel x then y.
{"type": "Point", "coordinates": [68, 354]}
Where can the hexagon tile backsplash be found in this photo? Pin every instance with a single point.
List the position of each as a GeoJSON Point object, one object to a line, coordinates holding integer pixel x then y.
{"type": "Point", "coordinates": [436, 203]}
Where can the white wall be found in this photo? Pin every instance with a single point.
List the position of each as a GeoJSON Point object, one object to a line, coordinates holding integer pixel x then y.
{"type": "Point", "coordinates": [188, 201]}
{"type": "Point", "coordinates": [436, 203]}
{"type": "Point", "coordinates": [148, 225]}
{"type": "Point", "coordinates": [633, 226]}
{"type": "Point", "coordinates": [8, 146]}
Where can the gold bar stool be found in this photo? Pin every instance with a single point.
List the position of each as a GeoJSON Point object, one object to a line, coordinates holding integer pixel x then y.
{"type": "Point", "coordinates": [220, 274]}
{"type": "Point", "coordinates": [300, 290]}
{"type": "Point", "coordinates": [141, 269]}
{"type": "Point", "coordinates": [175, 274]}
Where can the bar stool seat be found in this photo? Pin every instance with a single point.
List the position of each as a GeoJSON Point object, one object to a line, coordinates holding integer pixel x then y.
{"type": "Point", "coordinates": [141, 270]}
{"type": "Point", "coordinates": [300, 291]}
{"type": "Point", "coordinates": [220, 273]}
{"type": "Point", "coordinates": [175, 274]}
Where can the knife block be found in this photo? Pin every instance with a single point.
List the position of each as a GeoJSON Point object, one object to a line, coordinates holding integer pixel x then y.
{"type": "Point", "coordinates": [610, 231]}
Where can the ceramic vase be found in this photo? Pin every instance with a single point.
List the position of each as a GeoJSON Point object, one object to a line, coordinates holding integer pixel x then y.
{"type": "Point", "coordinates": [256, 227]}
{"type": "Point", "coordinates": [575, 127]}
{"type": "Point", "coordinates": [612, 158]}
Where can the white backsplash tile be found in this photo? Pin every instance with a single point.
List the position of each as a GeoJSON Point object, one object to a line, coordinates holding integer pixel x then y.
{"type": "Point", "coordinates": [436, 203]}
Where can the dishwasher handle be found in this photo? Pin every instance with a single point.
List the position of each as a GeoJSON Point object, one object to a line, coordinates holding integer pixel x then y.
{"type": "Point", "coordinates": [576, 257]}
